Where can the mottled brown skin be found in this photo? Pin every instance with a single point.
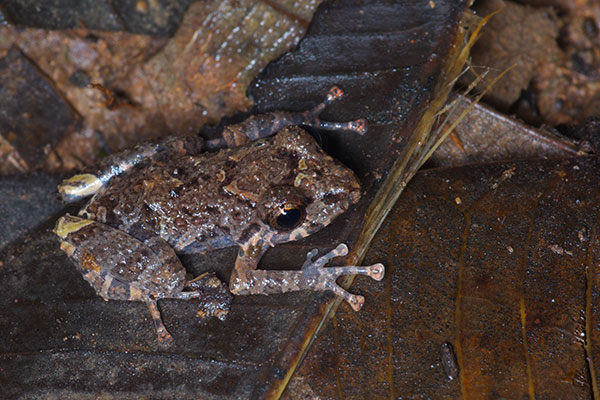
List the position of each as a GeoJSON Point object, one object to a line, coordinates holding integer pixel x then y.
{"type": "Point", "coordinates": [259, 192]}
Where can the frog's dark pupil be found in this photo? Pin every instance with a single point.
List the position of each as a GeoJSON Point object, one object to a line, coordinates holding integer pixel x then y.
{"type": "Point", "coordinates": [289, 218]}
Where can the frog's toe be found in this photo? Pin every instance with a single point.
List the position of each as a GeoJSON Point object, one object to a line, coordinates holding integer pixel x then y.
{"type": "Point", "coordinates": [164, 338]}
{"type": "Point", "coordinates": [376, 271]}
{"type": "Point", "coordinates": [359, 126]}
{"type": "Point", "coordinates": [355, 301]}
{"type": "Point", "coordinates": [319, 277]}
{"type": "Point", "coordinates": [335, 93]}
{"type": "Point", "coordinates": [339, 251]}
{"type": "Point", "coordinates": [68, 224]}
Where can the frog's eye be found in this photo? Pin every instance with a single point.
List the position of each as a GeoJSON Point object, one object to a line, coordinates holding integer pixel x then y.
{"type": "Point", "coordinates": [287, 217]}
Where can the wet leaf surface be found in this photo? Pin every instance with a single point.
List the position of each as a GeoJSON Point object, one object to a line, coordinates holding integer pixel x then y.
{"type": "Point", "coordinates": [500, 261]}
{"type": "Point", "coordinates": [26, 201]}
{"type": "Point", "coordinates": [55, 323]}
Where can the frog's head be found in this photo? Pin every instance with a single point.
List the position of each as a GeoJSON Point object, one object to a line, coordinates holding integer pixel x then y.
{"type": "Point", "coordinates": [316, 190]}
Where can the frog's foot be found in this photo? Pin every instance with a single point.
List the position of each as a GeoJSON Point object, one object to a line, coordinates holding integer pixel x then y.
{"type": "Point", "coordinates": [335, 93]}
{"type": "Point", "coordinates": [164, 337]}
{"type": "Point", "coordinates": [213, 297]}
{"type": "Point", "coordinates": [320, 278]}
{"type": "Point", "coordinates": [311, 117]}
{"type": "Point", "coordinates": [246, 279]}
{"type": "Point", "coordinates": [79, 186]}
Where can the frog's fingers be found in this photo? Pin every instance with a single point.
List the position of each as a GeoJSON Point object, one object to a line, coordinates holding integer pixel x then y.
{"type": "Point", "coordinates": [263, 125]}
{"type": "Point", "coordinates": [375, 271]}
{"type": "Point", "coordinates": [335, 93]}
{"type": "Point", "coordinates": [359, 126]}
{"type": "Point", "coordinates": [310, 117]}
{"type": "Point", "coordinates": [340, 250]}
{"type": "Point", "coordinates": [246, 279]}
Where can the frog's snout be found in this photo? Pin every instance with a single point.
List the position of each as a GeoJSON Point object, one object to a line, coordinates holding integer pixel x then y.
{"type": "Point", "coordinates": [352, 187]}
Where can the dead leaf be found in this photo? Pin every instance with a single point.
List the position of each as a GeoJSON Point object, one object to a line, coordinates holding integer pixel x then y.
{"type": "Point", "coordinates": [503, 276]}
{"type": "Point", "coordinates": [486, 135]}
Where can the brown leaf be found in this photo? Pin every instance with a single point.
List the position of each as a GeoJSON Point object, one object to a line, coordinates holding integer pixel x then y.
{"type": "Point", "coordinates": [204, 71]}
{"type": "Point", "coordinates": [176, 87]}
{"type": "Point", "coordinates": [485, 135]}
{"type": "Point", "coordinates": [500, 261]}
{"type": "Point", "coordinates": [33, 115]}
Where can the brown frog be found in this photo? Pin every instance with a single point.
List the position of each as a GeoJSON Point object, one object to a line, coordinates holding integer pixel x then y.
{"type": "Point", "coordinates": [258, 190]}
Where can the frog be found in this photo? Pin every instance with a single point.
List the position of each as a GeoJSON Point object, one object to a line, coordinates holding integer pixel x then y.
{"type": "Point", "coordinates": [264, 182]}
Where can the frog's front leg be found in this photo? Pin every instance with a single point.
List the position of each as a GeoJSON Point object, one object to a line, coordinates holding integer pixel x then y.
{"type": "Point", "coordinates": [83, 185]}
{"type": "Point", "coordinates": [263, 125]}
{"type": "Point", "coordinates": [246, 279]}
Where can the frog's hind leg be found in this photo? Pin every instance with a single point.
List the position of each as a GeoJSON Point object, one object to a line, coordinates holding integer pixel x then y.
{"type": "Point", "coordinates": [84, 185]}
{"type": "Point", "coordinates": [314, 276]}
{"type": "Point", "coordinates": [263, 125]}
{"type": "Point", "coordinates": [212, 295]}
{"type": "Point", "coordinates": [121, 267]}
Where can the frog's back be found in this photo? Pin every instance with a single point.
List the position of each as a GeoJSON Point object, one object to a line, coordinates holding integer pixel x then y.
{"type": "Point", "coordinates": [195, 202]}
{"type": "Point", "coordinates": [158, 197]}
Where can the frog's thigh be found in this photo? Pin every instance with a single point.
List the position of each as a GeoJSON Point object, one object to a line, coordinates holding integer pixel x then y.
{"type": "Point", "coordinates": [117, 265]}
{"type": "Point", "coordinates": [84, 185]}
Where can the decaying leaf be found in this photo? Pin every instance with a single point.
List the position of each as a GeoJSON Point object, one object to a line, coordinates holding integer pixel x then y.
{"type": "Point", "coordinates": [499, 260]}
{"type": "Point", "coordinates": [485, 135]}
{"type": "Point", "coordinates": [33, 116]}
{"type": "Point", "coordinates": [554, 47]}
{"type": "Point", "coordinates": [517, 35]}
{"type": "Point", "coordinates": [150, 17]}
{"type": "Point", "coordinates": [169, 87]}
{"type": "Point", "coordinates": [204, 72]}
